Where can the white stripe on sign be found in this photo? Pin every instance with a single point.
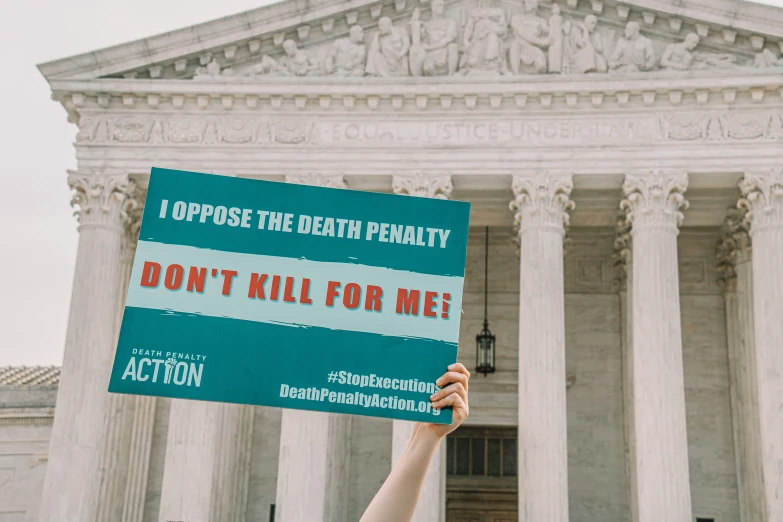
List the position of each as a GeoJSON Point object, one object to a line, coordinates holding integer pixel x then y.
{"type": "Point", "coordinates": [296, 292]}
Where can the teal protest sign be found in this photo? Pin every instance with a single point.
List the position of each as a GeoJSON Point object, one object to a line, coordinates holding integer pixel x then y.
{"type": "Point", "coordinates": [293, 296]}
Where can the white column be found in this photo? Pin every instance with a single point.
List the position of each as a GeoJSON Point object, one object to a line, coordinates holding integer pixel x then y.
{"type": "Point", "coordinates": [72, 484]}
{"type": "Point", "coordinates": [660, 461]}
{"type": "Point", "coordinates": [189, 467]}
{"type": "Point", "coordinates": [140, 450]}
{"type": "Point", "coordinates": [734, 258]}
{"type": "Point", "coordinates": [763, 193]}
{"type": "Point", "coordinates": [540, 205]}
{"type": "Point", "coordinates": [314, 467]}
{"type": "Point", "coordinates": [432, 501]}
{"type": "Point", "coordinates": [143, 407]}
{"type": "Point", "coordinates": [119, 418]}
{"type": "Point", "coordinates": [232, 463]}
{"type": "Point", "coordinates": [315, 447]}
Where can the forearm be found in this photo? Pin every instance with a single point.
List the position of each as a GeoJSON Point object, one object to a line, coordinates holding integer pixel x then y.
{"type": "Point", "coordinates": [397, 498]}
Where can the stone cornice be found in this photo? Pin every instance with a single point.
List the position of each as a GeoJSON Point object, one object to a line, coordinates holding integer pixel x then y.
{"type": "Point", "coordinates": [27, 416]}
{"type": "Point", "coordinates": [696, 89]}
{"type": "Point", "coordinates": [611, 84]}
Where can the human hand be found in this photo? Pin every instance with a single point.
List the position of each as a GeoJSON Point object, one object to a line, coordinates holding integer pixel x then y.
{"type": "Point", "coordinates": [454, 393]}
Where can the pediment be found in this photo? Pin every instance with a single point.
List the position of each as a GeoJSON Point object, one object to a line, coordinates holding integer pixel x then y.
{"type": "Point", "coordinates": [471, 37]}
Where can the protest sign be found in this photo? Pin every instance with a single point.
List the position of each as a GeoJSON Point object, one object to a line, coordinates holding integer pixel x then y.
{"type": "Point", "coordinates": [294, 296]}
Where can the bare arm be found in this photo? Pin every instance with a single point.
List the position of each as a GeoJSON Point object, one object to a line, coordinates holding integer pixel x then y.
{"type": "Point", "coordinates": [397, 498]}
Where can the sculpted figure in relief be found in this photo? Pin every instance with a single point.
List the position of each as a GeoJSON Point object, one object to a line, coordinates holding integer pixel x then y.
{"type": "Point", "coordinates": [295, 62]}
{"type": "Point", "coordinates": [388, 51]}
{"type": "Point", "coordinates": [211, 71]}
{"type": "Point", "coordinates": [482, 40]}
{"type": "Point", "coordinates": [530, 35]}
{"type": "Point", "coordinates": [634, 52]}
{"type": "Point", "coordinates": [584, 47]}
{"type": "Point", "coordinates": [434, 50]}
{"type": "Point", "coordinates": [767, 58]}
{"type": "Point", "coordinates": [681, 56]}
{"type": "Point", "coordinates": [348, 55]}
{"type": "Point", "coordinates": [556, 45]}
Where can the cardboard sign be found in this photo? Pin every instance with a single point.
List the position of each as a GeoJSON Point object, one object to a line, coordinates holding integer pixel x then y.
{"type": "Point", "coordinates": [295, 296]}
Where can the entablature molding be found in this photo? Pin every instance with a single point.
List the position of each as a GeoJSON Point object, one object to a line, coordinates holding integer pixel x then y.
{"type": "Point", "coordinates": [454, 93]}
{"type": "Point", "coordinates": [480, 130]}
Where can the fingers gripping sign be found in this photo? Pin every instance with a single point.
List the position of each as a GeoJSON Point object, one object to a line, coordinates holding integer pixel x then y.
{"type": "Point", "coordinates": [454, 393]}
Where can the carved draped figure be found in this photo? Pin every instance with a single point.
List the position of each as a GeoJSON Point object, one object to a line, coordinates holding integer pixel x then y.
{"type": "Point", "coordinates": [531, 34]}
{"type": "Point", "coordinates": [348, 55]}
{"type": "Point", "coordinates": [387, 55]}
{"type": "Point", "coordinates": [438, 39]}
{"type": "Point", "coordinates": [584, 48]}
{"type": "Point", "coordinates": [483, 36]}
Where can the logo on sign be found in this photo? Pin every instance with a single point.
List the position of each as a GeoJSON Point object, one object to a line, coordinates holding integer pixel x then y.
{"type": "Point", "coordinates": [178, 369]}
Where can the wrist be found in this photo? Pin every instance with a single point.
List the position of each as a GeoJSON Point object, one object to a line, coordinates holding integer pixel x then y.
{"type": "Point", "coordinates": [426, 434]}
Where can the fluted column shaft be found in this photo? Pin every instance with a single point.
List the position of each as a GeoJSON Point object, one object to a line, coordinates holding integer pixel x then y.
{"type": "Point", "coordinates": [432, 500]}
{"type": "Point", "coordinates": [140, 408]}
{"type": "Point", "coordinates": [661, 480]}
{"type": "Point", "coordinates": [763, 193]}
{"type": "Point", "coordinates": [313, 470]}
{"type": "Point", "coordinates": [315, 447]}
{"type": "Point", "coordinates": [624, 262]}
{"type": "Point", "coordinates": [734, 258]}
{"type": "Point", "coordinates": [139, 454]}
{"type": "Point", "coordinates": [189, 467]}
{"type": "Point", "coordinates": [540, 204]}
{"type": "Point", "coordinates": [73, 478]}
{"type": "Point", "coordinates": [232, 465]}
{"type": "Point", "coordinates": [119, 418]}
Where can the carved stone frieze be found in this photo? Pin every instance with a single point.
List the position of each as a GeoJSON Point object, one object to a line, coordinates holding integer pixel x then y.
{"type": "Point", "coordinates": [422, 184]}
{"type": "Point", "coordinates": [317, 179]}
{"type": "Point", "coordinates": [655, 199]}
{"type": "Point", "coordinates": [752, 125]}
{"type": "Point", "coordinates": [265, 130]}
{"type": "Point", "coordinates": [763, 199]}
{"type": "Point", "coordinates": [488, 40]}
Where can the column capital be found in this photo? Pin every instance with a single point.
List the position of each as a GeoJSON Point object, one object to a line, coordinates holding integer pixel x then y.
{"type": "Point", "coordinates": [101, 200]}
{"type": "Point", "coordinates": [424, 184]}
{"type": "Point", "coordinates": [733, 247]}
{"type": "Point", "coordinates": [622, 250]}
{"type": "Point", "coordinates": [318, 179]}
{"type": "Point", "coordinates": [133, 209]}
{"type": "Point", "coordinates": [655, 199]}
{"type": "Point", "coordinates": [541, 200]}
{"type": "Point", "coordinates": [763, 199]}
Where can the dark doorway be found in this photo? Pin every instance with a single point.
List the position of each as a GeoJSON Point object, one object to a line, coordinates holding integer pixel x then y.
{"type": "Point", "coordinates": [481, 480]}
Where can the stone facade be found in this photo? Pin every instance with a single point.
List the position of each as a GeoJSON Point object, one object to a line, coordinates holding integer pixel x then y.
{"type": "Point", "coordinates": [608, 147]}
{"type": "Point", "coordinates": [597, 480]}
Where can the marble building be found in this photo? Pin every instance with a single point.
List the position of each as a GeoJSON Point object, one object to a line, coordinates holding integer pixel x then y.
{"type": "Point", "coordinates": [627, 158]}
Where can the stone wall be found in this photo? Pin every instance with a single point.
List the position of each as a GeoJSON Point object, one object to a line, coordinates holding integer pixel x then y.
{"type": "Point", "coordinates": [26, 414]}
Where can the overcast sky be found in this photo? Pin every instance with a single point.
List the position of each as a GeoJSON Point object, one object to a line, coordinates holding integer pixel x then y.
{"type": "Point", "coordinates": [38, 236]}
